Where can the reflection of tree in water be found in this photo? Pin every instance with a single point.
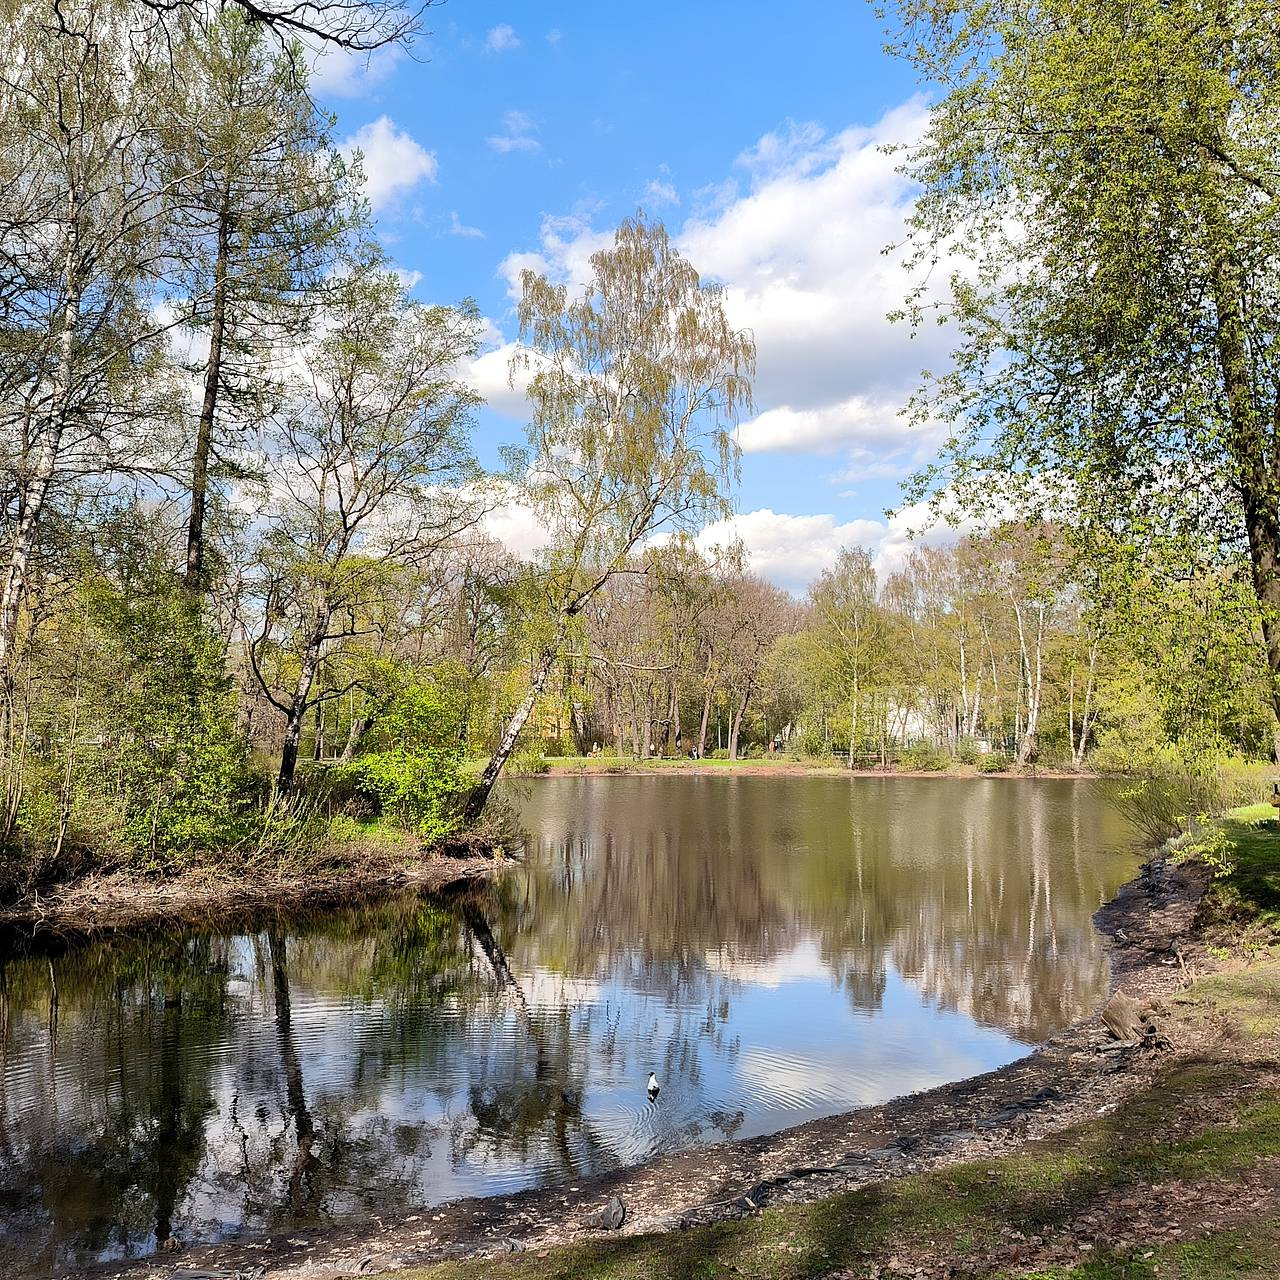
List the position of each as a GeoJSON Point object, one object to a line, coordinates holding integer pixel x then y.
{"type": "Point", "coordinates": [981, 896]}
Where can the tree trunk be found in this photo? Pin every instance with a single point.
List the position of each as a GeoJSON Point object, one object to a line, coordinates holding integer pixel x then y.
{"type": "Point", "coordinates": [195, 575]}
{"type": "Point", "coordinates": [35, 489]}
{"type": "Point", "coordinates": [301, 696]}
{"type": "Point", "coordinates": [737, 724]}
{"type": "Point", "coordinates": [706, 713]}
{"type": "Point", "coordinates": [479, 796]}
{"type": "Point", "coordinates": [1255, 473]}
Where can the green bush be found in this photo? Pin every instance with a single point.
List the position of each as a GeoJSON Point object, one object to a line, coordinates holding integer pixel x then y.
{"type": "Point", "coordinates": [968, 753]}
{"type": "Point", "coordinates": [924, 757]}
{"type": "Point", "coordinates": [992, 762]}
{"type": "Point", "coordinates": [412, 770]}
{"type": "Point", "coordinates": [528, 761]}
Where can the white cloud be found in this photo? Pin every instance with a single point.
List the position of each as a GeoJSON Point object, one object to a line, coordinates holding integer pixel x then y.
{"type": "Point", "coordinates": [791, 551]}
{"type": "Point", "coordinates": [517, 528]}
{"type": "Point", "coordinates": [802, 257]}
{"type": "Point", "coordinates": [856, 421]}
{"type": "Point", "coordinates": [660, 192]}
{"type": "Point", "coordinates": [458, 228]}
{"type": "Point", "coordinates": [394, 162]}
{"type": "Point", "coordinates": [501, 38]}
{"type": "Point", "coordinates": [343, 73]}
{"type": "Point", "coordinates": [489, 375]}
{"type": "Point", "coordinates": [554, 36]}
{"type": "Point", "coordinates": [517, 135]}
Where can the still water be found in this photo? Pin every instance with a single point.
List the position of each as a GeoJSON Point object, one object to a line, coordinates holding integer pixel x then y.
{"type": "Point", "coordinates": [775, 949]}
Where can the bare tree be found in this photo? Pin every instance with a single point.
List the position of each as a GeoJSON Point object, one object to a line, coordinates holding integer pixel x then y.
{"type": "Point", "coordinates": [368, 468]}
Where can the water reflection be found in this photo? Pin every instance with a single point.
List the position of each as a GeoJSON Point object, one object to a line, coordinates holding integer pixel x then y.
{"type": "Point", "coordinates": [773, 949]}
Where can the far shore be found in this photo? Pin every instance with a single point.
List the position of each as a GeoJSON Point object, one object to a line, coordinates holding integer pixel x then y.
{"type": "Point", "coordinates": [604, 766]}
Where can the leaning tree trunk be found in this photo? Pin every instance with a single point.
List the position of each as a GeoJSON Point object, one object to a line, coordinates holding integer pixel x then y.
{"type": "Point", "coordinates": [737, 725]}
{"type": "Point", "coordinates": [479, 796]}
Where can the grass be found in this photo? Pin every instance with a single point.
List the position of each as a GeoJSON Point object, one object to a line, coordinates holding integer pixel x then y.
{"type": "Point", "coordinates": [1252, 890]}
{"type": "Point", "coordinates": [950, 1213]}
{"type": "Point", "coordinates": [1224, 1255]}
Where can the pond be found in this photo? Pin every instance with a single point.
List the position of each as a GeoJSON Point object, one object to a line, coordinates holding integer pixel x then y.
{"type": "Point", "coordinates": [772, 948]}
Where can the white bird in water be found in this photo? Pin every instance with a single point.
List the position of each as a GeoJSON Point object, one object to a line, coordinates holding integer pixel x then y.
{"type": "Point", "coordinates": [653, 1086]}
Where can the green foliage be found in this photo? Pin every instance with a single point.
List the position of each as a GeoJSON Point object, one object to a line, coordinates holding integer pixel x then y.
{"type": "Point", "coordinates": [992, 762]}
{"type": "Point", "coordinates": [144, 750]}
{"type": "Point", "coordinates": [528, 762]}
{"type": "Point", "coordinates": [412, 768]}
{"type": "Point", "coordinates": [924, 757]}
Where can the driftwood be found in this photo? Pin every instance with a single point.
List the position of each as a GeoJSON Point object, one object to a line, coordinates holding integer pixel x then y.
{"type": "Point", "coordinates": [1123, 1018]}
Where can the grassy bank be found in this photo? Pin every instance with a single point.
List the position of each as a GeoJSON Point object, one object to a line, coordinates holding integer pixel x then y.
{"type": "Point", "coordinates": [797, 766]}
{"type": "Point", "coordinates": [1179, 1181]}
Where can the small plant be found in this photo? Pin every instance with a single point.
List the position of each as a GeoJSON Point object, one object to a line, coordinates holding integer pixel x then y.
{"type": "Point", "coordinates": [992, 762]}
{"type": "Point", "coordinates": [529, 762]}
{"type": "Point", "coordinates": [1211, 844]}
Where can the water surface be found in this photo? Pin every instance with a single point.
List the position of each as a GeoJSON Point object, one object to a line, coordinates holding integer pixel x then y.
{"type": "Point", "coordinates": [775, 949]}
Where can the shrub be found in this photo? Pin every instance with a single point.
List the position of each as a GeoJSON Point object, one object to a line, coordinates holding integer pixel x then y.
{"type": "Point", "coordinates": [924, 757]}
{"type": "Point", "coordinates": [528, 761]}
{"type": "Point", "coordinates": [720, 753]}
{"type": "Point", "coordinates": [992, 762]}
{"type": "Point", "coordinates": [967, 752]}
{"type": "Point", "coordinates": [413, 771]}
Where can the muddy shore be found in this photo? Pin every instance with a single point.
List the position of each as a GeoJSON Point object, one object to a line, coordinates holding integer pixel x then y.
{"type": "Point", "coordinates": [659, 767]}
{"type": "Point", "coordinates": [1079, 1073]}
{"type": "Point", "coordinates": [203, 898]}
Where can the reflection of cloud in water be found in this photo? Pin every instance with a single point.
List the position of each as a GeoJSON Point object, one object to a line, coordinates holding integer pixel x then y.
{"type": "Point", "coordinates": [803, 961]}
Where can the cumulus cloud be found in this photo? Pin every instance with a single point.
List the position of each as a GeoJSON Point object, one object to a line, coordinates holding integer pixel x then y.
{"type": "Point", "coordinates": [394, 162]}
{"type": "Point", "coordinates": [857, 421]}
{"type": "Point", "coordinates": [791, 550]}
{"type": "Point", "coordinates": [501, 38]}
{"type": "Point", "coordinates": [517, 134]}
{"type": "Point", "coordinates": [659, 193]}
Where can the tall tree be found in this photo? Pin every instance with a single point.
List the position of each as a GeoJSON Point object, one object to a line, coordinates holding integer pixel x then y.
{"type": "Point", "coordinates": [1112, 174]}
{"type": "Point", "coordinates": [83, 214]}
{"type": "Point", "coordinates": [368, 476]}
{"type": "Point", "coordinates": [638, 381]}
{"type": "Point", "coordinates": [261, 213]}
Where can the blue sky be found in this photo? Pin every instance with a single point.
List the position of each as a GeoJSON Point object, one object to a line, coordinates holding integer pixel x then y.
{"type": "Point", "coordinates": [518, 135]}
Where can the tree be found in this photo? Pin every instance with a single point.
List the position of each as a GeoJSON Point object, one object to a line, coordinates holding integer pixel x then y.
{"type": "Point", "coordinates": [637, 384]}
{"type": "Point", "coordinates": [260, 213]}
{"type": "Point", "coordinates": [1110, 172]}
{"type": "Point", "coordinates": [757, 614]}
{"type": "Point", "coordinates": [850, 632]}
{"type": "Point", "coordinates": [369, 462]}
{"type": "Point", "coordinates": [81, 348]}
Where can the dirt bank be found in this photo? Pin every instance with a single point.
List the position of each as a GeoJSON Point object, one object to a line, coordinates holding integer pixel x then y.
{"type": "Point", "coordinates": [1076, 1075]}
{"type": "Point", "coordinates": [97, 904]}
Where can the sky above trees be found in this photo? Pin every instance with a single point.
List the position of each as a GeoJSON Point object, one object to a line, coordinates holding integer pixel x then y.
{"type": "Point", "coordinates": [518, 136]}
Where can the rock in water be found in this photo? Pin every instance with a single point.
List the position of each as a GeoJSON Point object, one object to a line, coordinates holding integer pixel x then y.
{"type": "Point", "coordinates": [610, 1218]}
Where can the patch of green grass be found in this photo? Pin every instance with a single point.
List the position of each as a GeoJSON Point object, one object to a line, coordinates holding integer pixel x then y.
{"type": "Point", "coordinates": [1227, 1255]}
{"type": "Point", "coordinates": [1253, 887]}
{"type": "Point", "coordinates": [1249, 997]}
{"type": "Point", "coordinates": [949, 1212]}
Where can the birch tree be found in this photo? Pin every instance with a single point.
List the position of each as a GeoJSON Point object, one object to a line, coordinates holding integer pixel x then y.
{"type": "Point", "coordinates": [369, 462]}
{"type": "Point", "coordinates": [638, 381]}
